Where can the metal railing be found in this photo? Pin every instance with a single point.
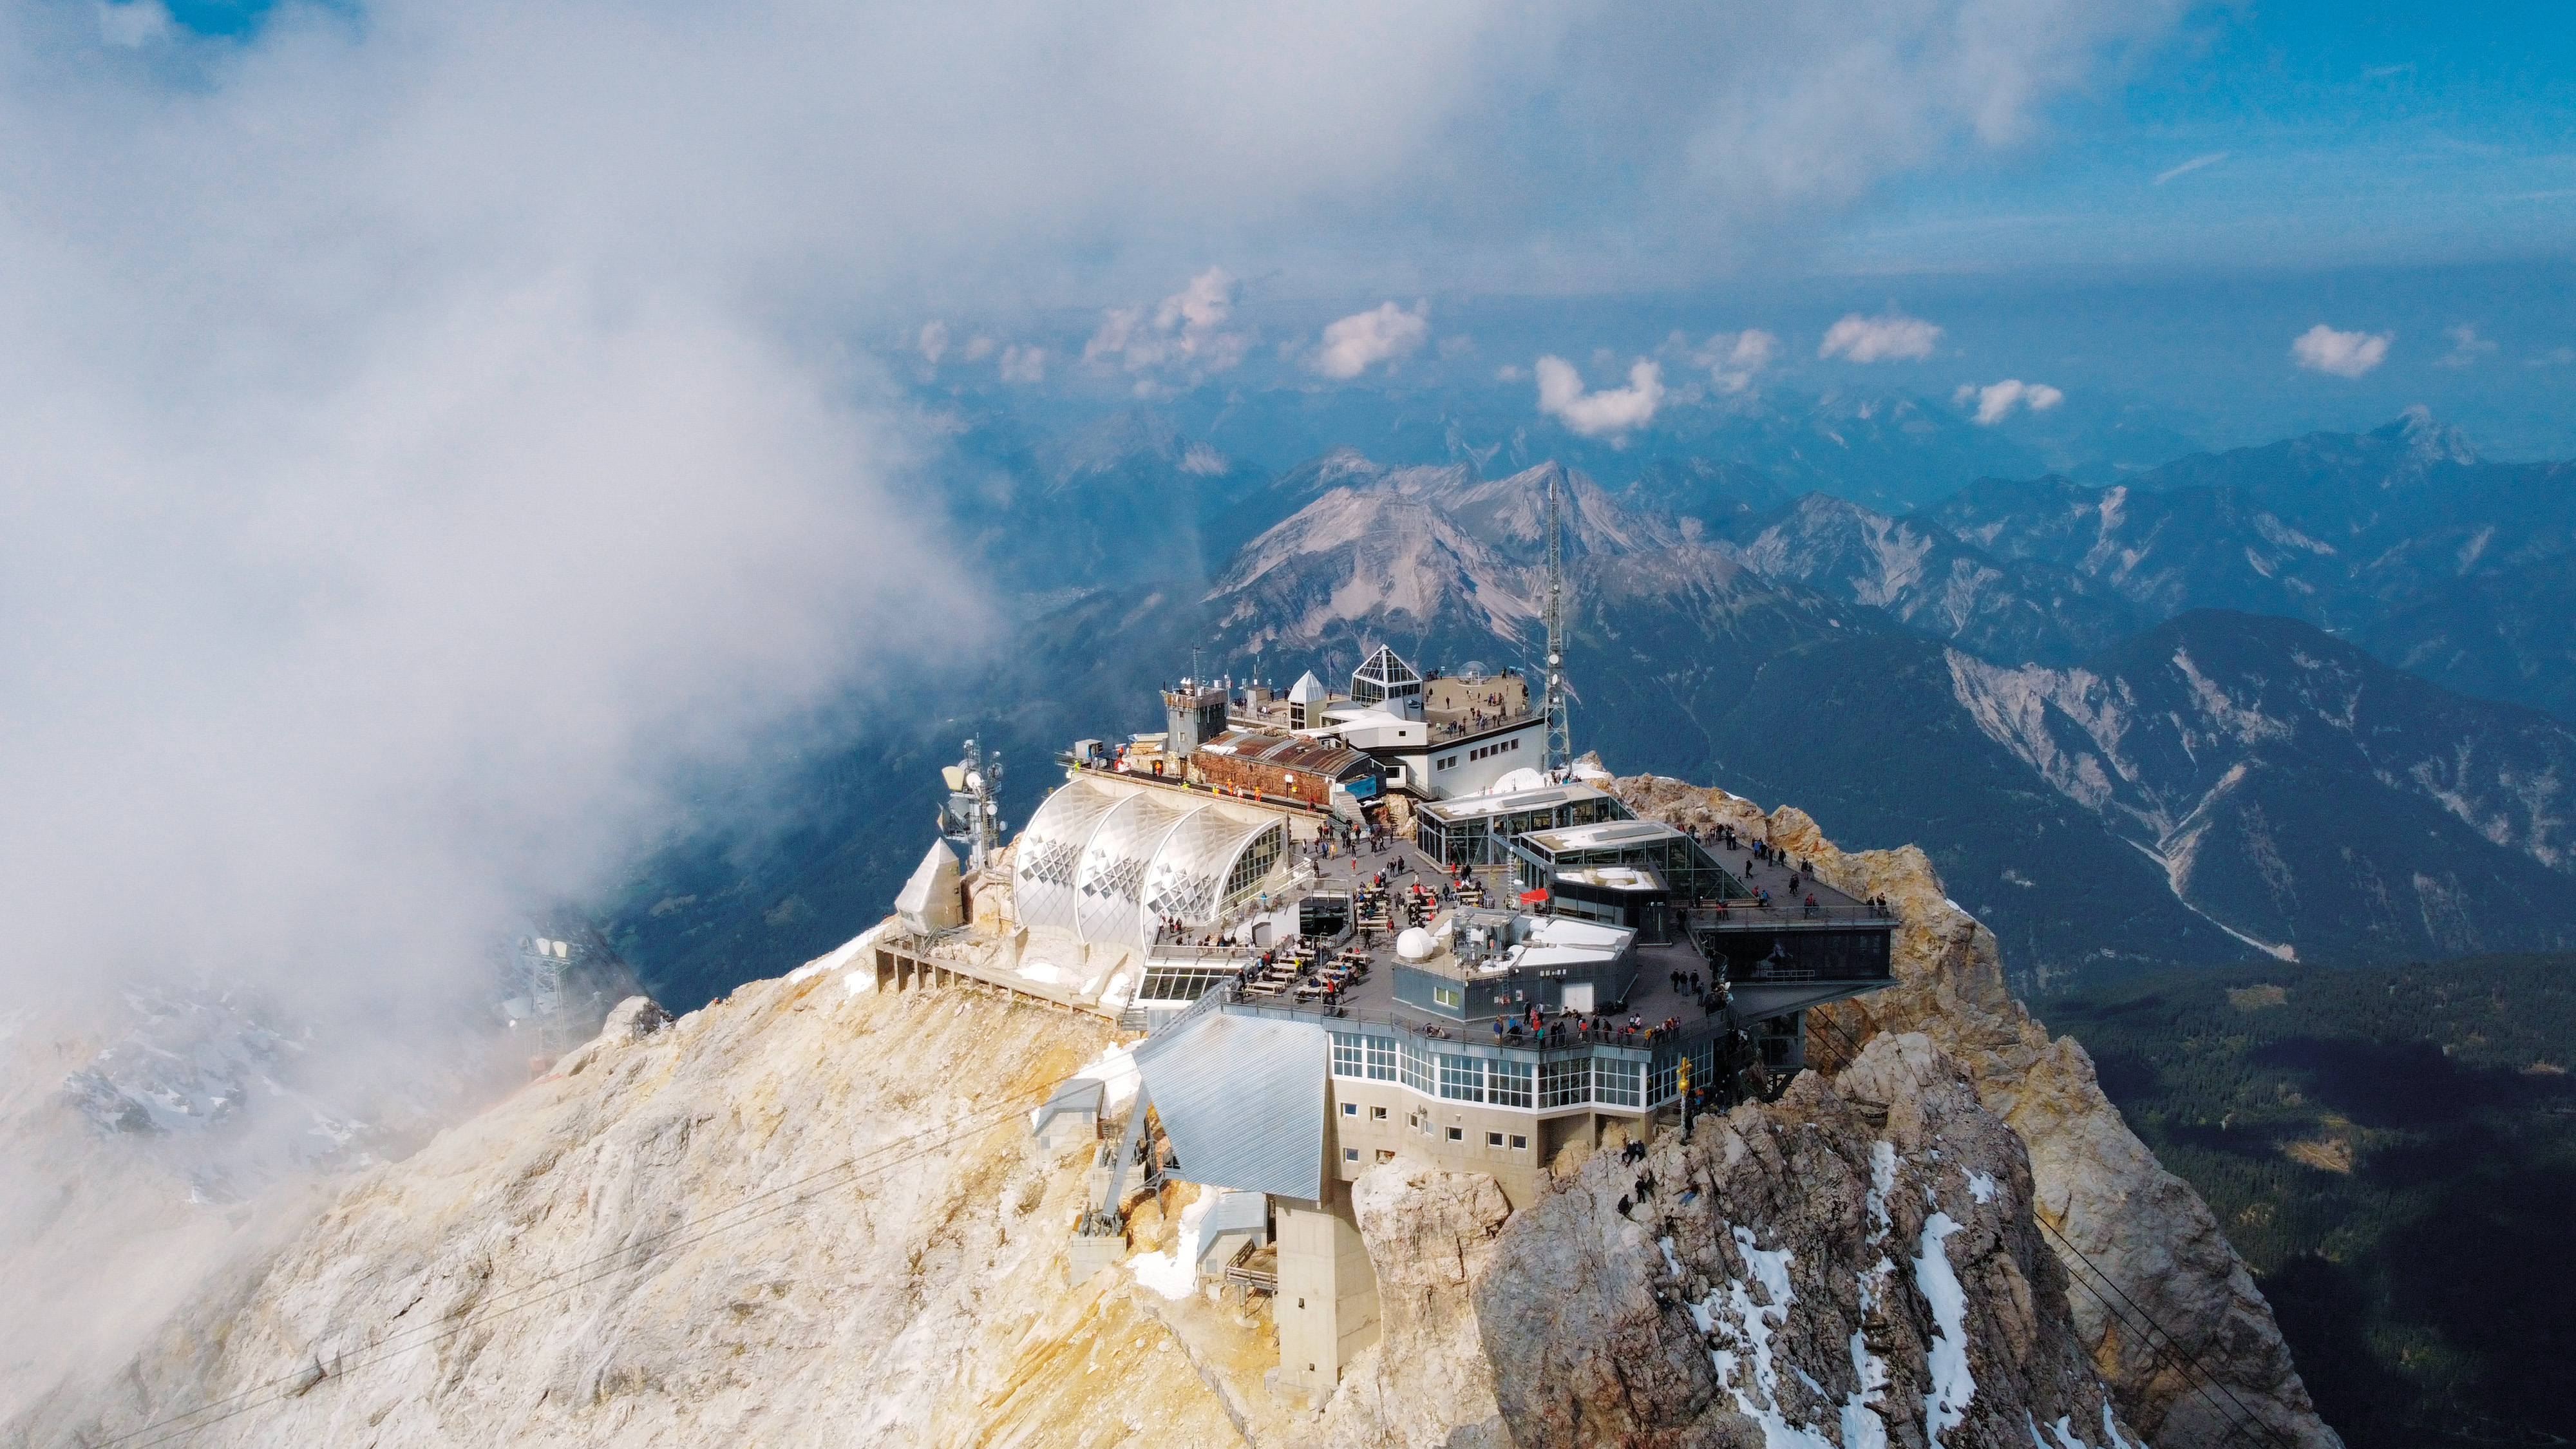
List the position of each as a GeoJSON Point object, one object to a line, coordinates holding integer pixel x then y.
{"type": "Point", "coordinates": [1742, 917]}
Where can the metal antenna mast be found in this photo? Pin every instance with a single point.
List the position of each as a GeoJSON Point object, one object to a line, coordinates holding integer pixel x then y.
{"type": "Point", "coordinates": [1560, 749]}
{"type": "Point", "coordinates": [973, 815]}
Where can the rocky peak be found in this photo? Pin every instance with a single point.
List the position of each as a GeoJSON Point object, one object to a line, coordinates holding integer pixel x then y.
{"type": "Point", "coordinates": [2125, 1231]}
{"type": "Point", "coordinates": [1857, 1264]}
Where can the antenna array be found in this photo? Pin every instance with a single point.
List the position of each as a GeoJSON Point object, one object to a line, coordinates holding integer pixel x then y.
{"type": "Point", "coordinates": [1560, 749]}
{"type": "Point", "coordinates": [972, 817]}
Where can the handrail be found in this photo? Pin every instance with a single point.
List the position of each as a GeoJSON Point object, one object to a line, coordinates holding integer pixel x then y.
{"type": "Point", "coordinates": [1709, 918]}
{"type": "Point", "coordinates": [1578, 1043]}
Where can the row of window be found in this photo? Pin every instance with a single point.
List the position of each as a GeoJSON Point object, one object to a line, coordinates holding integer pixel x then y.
{"type": "Point", "coordinates": [1500, 747]}
{"type": "Point", "coordinates": [1421, 1122]}
{"type": "Point", "coordinates": [1562, 1082]}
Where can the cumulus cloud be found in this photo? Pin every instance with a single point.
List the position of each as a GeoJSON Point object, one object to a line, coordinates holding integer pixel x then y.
{"type": "Point", "coordinates": [1185, 331]}
{"type": "Point", "coordinates": [2344, 354]}
{"type": "Point", "coordinates": [1609, 412]}
{"type": "Point", "coordinates": [933, 341]}
{"type": "Point", "coordinates": [1733, 359]}
{"type": "Point", "coordinates": [1888, 337]}
{"type": "Point", "coordinates": [1996, 400]}
{"type": "Point", "coordinates": [1382, 334]}
{"type": "Point", "coordinates": [2467, 347]}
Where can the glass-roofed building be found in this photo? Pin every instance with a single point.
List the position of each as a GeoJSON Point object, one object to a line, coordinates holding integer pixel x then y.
{"type": "Point", "coordinates": [1682, 865]}
{"type": "Point", "coordinates": [1476, 829]}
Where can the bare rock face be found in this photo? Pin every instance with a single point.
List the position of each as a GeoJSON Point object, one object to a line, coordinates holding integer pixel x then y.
{"type": "Point", "coordinates": [1426, 1382]}
{"type": "Point", "coordinates": [1856, 1265]}
{"type": "Point", "coordinates": [813, 1214]}
{"type": "Point", "coordinates": [2165, 1308]}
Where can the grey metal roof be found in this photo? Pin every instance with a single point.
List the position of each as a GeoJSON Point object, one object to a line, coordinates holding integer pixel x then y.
{"type": "Point", "coordinates": [1242, 1098]}
{"type": "Point", "coordinates": [1604, 834]}
{"type": "Point", "coordinates": [1073, 1094]}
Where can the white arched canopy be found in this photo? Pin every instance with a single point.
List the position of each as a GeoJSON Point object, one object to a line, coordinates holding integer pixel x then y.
{"type": "Point", "coordinates": [1106, 868]}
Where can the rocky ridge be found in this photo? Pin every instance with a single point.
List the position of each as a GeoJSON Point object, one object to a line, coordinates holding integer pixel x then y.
{"type": "Point", "coordinates": [2137, 1241]}
{"type": "Point", "coordinates": [814, 1213]}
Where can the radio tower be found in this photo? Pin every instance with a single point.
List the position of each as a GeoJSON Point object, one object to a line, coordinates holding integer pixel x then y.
{"type": "Point", "coordinates": [1560, 750]}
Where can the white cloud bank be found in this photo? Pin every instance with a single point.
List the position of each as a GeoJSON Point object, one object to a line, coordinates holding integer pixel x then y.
{"type": "Point", "coordinates": [1360, 341]}
{"type": "Point", "coordinates": [2343, 354]}
{"type": "Point", "coordinates": [1888, 337]}
{"type": "Point", "coordinates": [1995, 401]}
{"type": "Point", "coordinates": [1609, 412]}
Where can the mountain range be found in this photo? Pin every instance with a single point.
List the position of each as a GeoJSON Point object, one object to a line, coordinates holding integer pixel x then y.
{"type": "Point", "coordinates": [2220, 708]}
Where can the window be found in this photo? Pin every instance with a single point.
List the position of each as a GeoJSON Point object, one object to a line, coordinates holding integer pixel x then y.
{"type": "Point", "coordinates": [1444, 996]}
{"type": "Point", "coordinates": [1493, 1139]}
{"type": "Point", "coordinates": [1519, 1143]}
{"type": "Point", "coordinates": [1462, 1079]}
{"type": "Point", "coordinates": [1253, 866]}
{"type": "Point", "coordinates": [1565, 1082]}
{"type": "Point", "coordinates": [1377, 1114]}
{"type": "Point", "coordinates": [1457, 1134]}
{"type": "Point", "coordinates": [1347, 1053]}
{"type": "Point", "coordinates": [1416, 1066]}
{"type": "Point", "coordinates": [1381, 1062]}
{"type": "Point", "coordinates": [1507, 1084]}
{"type": "Point", "coordinates": [1350, 1154]}
{"type": "Point", "coordinates": [1350, 1109]}
{"type": "Point", "coordinates": [1616, 1083]}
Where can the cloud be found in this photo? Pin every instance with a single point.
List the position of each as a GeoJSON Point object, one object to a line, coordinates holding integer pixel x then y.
{"type": "Point", "coordinates": [133, 23]}
{"type": "Point", "coordinates": [1733, 359]}
{"type": "Point", "coordinates": [2344, 354]}
{"type": "Point", "coordinates": [2194, 164]}
{"type": "Point", "coordinates": [1612, 411]}
{"type": "Point", "coordinates": [1381, 334]}
{"type": "Point", "coordinates": [1888, 336]}
{"type": "Point", "coordinates": [1510, 372]}
{"type": "Point", "coordinates": [1995, 401]}
{"type": "Point", "coordinates": [933, 341]}
{"type": "Point", "coordinates": [432, 433]}
{"type": "Point", "coordinates": [1184, 331]}
{"type": "Point", "coordinates": [1023, 364]}
{"type": "Point", "coordinates": [2466, 347]}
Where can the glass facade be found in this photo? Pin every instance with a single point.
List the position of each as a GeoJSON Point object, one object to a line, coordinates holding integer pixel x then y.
{"type": "Point", "coordinates": [1349, 1055]}
{"type": "Point", "coordinates": [1564, 1082]}
{"type": "Point", "coordinates": [1474, 831]}
{"type": "Point", "coordinates": [1686, 867]}
{"type": "Point", "coordinates": [1415, 1068]}
{"type": "Point", "coordinates": [1617, 1083]}
{"type": "Point", "coordinates": [1569, 1079]}
{"type": "Point", "coordinates": [1462, 1079]}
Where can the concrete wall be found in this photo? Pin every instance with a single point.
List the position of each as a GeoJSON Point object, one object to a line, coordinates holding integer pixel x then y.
{"type": "Point", "coordinates": [1385, 1118]}
{"type": "Point", "coordinates": [1326, 1307]}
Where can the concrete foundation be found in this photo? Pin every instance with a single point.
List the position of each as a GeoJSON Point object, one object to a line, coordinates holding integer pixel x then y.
{"type": "Point", "coordinates": [1326, 1307]}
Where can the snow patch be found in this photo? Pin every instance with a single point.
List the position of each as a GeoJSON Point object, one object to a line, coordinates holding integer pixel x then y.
{"type": "Point", "coordinates": [1116, 1073]}
{"type": "Point", "coordinates": [1946, 1406]}
{"type": "Point", "coordinates": [842, 955]}
{"type": "Point", "coordinates": [1981, 1186]}
{"type": "Point", "coordinates": [1176, 1274]}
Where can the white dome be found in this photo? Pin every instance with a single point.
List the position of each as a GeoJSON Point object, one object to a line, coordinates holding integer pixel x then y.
{"type": "Point", "coordinates": [1415, 945]}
